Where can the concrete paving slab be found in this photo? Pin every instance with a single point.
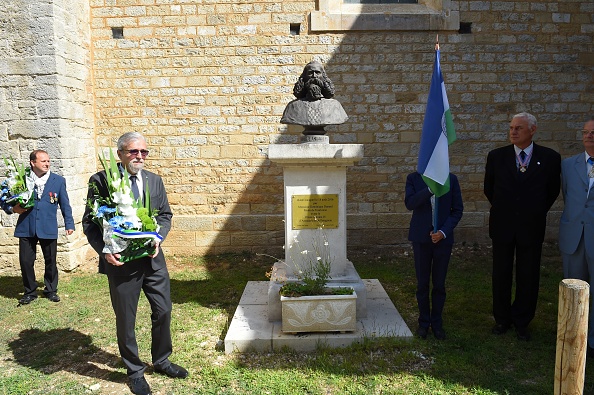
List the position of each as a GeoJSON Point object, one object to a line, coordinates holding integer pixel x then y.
{"type": "Point", "coordinates": [250, 329]}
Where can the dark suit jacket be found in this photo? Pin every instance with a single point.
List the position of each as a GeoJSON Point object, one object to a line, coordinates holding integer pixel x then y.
{"type": "Point", "coordinates": [94, 233]}
{"type": "Point", "coordinates": [520, 202]}
{"type": "Point", "coordinates": [418, 199]}
{"type": "Point", "coordinates": [41, 220]}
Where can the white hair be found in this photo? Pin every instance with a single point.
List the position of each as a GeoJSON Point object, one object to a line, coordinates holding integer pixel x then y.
{"type": "Point", "coordinates": [528, 117]}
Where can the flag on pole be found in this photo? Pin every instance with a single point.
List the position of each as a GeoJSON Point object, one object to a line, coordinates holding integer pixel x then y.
{"type": "Point", "coordinates": [438, 133]}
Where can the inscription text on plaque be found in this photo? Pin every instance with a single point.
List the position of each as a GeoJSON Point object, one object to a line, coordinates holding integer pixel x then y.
{"type": "Point", "coordinates": [313, 211]}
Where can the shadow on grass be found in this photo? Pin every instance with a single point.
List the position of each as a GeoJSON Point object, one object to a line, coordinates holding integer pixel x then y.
{"type": "Point", "coordinates": [217, 281]}
{"type": "Point", "coordinates": [11, 287]}
{"type": "Point", "coordinates": [471, 357]}
{"type": "Point", "coordinates": [65, 350]}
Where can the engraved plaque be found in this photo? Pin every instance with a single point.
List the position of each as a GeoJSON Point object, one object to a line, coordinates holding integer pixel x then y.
{"type": "Point", "coordinates": [314, 211]}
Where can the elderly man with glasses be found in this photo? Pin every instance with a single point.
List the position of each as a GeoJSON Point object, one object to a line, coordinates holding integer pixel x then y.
{"type": "Point", "coordinates": [576, 229]}
{"type": "Point", "coordinates": [148, 274]}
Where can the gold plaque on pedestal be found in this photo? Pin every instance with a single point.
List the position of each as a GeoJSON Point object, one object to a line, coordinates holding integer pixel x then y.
{"type": "Point", "coordinates": [314, 211]}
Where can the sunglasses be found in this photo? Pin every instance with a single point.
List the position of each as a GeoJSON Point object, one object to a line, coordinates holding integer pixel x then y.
{"type": "Point", "coordinates": [134, 152]}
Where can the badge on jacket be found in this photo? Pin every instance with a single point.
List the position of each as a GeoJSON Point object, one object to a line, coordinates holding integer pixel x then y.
{"type": "Point", "coordinates": [53, 197]}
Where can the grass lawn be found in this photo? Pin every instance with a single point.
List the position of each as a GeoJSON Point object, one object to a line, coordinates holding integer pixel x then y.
{"type": "Point", "coordinates": [70, 347]}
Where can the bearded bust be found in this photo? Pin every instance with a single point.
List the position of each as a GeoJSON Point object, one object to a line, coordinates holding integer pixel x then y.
{"type": "Point", "coordinates": [314, 107]}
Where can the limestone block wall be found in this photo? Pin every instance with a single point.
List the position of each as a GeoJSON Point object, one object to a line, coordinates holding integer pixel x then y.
{"type": "Point", "coordinates": [207, 83]}
{"type": "Point", "coordinates": [45, 103]}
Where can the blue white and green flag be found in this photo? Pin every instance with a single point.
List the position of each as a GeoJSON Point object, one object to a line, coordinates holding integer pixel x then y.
{"type": "Point", "coordinates": [438, 133]}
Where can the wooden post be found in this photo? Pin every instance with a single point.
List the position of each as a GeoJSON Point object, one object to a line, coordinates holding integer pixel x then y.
{"type": "Point", "coordinates": [572, 337]}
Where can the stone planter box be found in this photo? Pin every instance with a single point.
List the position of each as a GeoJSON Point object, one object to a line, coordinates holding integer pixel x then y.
{"type": "Point", "coordinates": [320, 313]}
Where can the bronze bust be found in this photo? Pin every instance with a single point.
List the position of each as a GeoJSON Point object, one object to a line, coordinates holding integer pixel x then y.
{"type": "Point", "coordinates": [314, 107]}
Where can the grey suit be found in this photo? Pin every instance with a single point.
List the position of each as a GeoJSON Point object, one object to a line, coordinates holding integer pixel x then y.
{"type": "Point", "coordinates": [576, 229]}
{"type": "Point", "coordinates": [126, 281]}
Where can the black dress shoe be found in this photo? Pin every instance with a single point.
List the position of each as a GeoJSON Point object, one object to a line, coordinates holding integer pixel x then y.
{"type": "Point", "coordinates": [439, 334]}
{"type": "Point", "coordinates": [27, 299]}
{"type": "Point", "coordinates": [522, 333]}
{"type": "Point", "coordinates": [499, 329]}
{"type": "Point", "coordinates": [173, 370]}
{"type": "Point", "coordinates": [139, 386]}
{"type": "Point", "coordinates": [53, 297]}
{"type": "Point", "coordinates": [422, 332]}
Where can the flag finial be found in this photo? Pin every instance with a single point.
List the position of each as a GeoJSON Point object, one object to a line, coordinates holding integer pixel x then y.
{"type": "Point", "coordinates": [437, 42]}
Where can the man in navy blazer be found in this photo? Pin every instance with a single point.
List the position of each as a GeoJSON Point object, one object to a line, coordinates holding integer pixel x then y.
{"type": "Point", "coordinates": [39, 224]}
{"type": "Point", "coordinates": [522, 182]}
{"type": "Point", "coordinates": [432, 249]}
{"type": "Point", "coordinates": [148, 274]}
{"type": "Point", "coordinates": [576, 228]}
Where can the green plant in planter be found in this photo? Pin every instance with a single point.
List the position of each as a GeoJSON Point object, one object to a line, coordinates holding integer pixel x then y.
{"type": "Point", "coordinates": [312, 268]}
{"type": "Point", "coordinates": [313, 277]}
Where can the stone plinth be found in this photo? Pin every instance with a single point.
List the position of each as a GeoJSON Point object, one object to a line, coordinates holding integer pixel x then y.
{"type": "Point", "coordinates": [316, 172]}
{"type": "Point", "coordinates": [250, 330]}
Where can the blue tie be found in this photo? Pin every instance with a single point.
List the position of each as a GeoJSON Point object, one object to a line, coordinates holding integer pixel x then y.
{"type": "Point", "coordinates": [134, 187]}
{"type": "Point", "coordinates": [522, 156]}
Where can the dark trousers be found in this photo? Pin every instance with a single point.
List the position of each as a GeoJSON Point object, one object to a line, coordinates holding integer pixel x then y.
{"type": "Point", "coordinates": [125, 292]}
{"type": "Point", "coordinates": [431, 264]}
{"type": "Point", "coordinates": [523, 308]}
{"type": "Point", "coordinates": [27, 256]}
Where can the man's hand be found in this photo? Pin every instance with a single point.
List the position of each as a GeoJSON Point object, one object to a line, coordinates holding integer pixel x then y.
{"type": "Point", "coordinates": [69, 231]}
{"type": "Point", "coordinates": [436, 237]}
{"type": "Point", "coordinates": [18, 209]}
{"type": "Point", "coordinates": [113, 259]}
{"type": "Point", "coordinates": [156, 250]}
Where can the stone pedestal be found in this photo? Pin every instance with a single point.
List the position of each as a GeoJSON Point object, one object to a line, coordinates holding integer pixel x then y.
{"type": "Point", "coordinates": [315, 196]}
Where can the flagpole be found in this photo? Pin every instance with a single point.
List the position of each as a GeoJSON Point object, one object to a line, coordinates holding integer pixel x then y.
{"type": "Point", "coordinates": [436, 208]}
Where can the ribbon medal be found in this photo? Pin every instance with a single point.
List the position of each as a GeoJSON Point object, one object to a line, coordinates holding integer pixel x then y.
{"type": "Point", "coordinates": [523, 164]}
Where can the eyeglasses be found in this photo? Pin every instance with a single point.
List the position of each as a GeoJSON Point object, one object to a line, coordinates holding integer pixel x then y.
{"type": "Point", "coordinates": [134, 152]}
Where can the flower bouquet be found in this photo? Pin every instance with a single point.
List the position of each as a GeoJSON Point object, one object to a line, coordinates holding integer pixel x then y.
{"type": "Point", "coordinates": [18, 187]}
{"type": "Point", "coordinates": [129, 226]}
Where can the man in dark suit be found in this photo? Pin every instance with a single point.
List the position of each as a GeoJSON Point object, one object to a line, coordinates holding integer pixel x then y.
{"type": "Point", "coordinates": [149, 274]}
{"type": "Point", "coordinates": [576, 228]}
{"type": "Point", "coordinates": [522, 182]}
{"type": "Point", "coordinates": [39, 224]}
{"type": "Point", "coordinates": [432, 246]}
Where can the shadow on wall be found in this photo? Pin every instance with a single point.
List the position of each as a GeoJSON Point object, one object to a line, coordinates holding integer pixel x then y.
{"type": "Point", "coordinates": [382, 80]}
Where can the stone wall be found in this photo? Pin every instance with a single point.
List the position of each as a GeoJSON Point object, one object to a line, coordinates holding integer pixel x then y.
{"type": "Point", "coordinates": [45, 103]}
{"type": "Point", "coordinates": [207, 82]}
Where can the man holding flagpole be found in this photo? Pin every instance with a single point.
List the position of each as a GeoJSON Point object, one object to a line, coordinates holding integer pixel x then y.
{"type": "Point", "coordinates": [522, 182]}
{"type": "Point", "coordinates": [433, 194]}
